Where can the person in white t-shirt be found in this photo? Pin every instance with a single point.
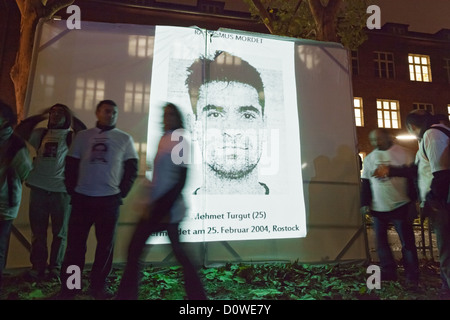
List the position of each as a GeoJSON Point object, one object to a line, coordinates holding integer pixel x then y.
{"type": "Point", "coordinates": [97, 189]}
{"type": "Point", "coordinates": [49, 200]}
{"type": "Point", "coordinates": [432, 172]}
{"type": "Point", "coordinates": [166, 210]}
{"type": "Point", "coordinates": [388, 200]}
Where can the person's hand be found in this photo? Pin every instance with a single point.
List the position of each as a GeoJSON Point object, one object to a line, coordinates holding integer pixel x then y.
{"type": "Point", "coordinates": [364, 210]}
{"type": "Point", "coordinates": [382, 171]}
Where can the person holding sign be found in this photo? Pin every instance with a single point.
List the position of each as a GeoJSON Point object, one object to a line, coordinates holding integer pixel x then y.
{"type": "Point", "coordinates": [227, 99]}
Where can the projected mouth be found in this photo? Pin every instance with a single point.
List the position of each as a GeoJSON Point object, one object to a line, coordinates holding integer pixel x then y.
{"type": "Point", "coordinates": [235, 147]}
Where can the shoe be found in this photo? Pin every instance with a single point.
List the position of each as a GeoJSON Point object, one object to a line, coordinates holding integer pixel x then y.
{"type": "Point", "coordinates": [53, 276]}
{"type": "Point", "coordinates": [389, 277]}
{"type": "Point", "coordinates": [412, 285]}
{"type": "Point", "coordinates": [34, 275]}
{"type": "Point", "coordinates": [102, 293]}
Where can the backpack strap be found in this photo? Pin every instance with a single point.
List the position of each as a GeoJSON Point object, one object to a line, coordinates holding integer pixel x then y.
{"type": "Point", "coordinates": [444, 130]}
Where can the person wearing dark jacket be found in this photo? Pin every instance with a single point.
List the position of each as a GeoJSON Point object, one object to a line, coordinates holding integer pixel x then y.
{"type": "Point", "coordinates": [97, 189]}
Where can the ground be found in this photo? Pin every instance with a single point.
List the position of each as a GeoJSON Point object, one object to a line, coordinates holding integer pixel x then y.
{"type": "Point", "coordinates": [274, 281]}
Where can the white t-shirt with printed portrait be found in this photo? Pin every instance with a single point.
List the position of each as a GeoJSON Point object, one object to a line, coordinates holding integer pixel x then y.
{"type": "Point", "coordinates": [102, 154]}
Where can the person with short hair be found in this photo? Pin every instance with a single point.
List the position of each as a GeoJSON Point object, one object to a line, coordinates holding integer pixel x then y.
{"type": "Point", "coordinates": [97, 189]}
{"type": "Point", "coordinates": [388, 200]}
{"type": "Point", "coordinates": [228, 104]}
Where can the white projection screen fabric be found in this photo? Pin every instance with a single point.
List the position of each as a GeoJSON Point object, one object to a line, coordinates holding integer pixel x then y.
{"type": "Point", "coordinates": [305, 137]}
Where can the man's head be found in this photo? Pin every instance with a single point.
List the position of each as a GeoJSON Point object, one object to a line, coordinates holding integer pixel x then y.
{"type": "Point", "coordinates": [107, 112]}
{"type": "Point", "coordinates": [227, 97]}
{"type": "Point", "coordinates": [60, 117]}
{"type": "Point", "coordinates": [380, 138]}
{"type": "Point", "coordinates": [225, 68]}
{"type": "Point", "coordinates": [417, 121]}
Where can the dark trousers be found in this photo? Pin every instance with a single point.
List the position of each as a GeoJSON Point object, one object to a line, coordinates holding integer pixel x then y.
{"type": "Point", "coordinates": [5, 232]}
{"type": "Point", "coordinates": [129, 285]}
{"type": "Point", "coordinates": [103, 214]}
{"type": "Point", "coordinates": [402, 222]}
{"type": "Point", "coordinates": [48, 206]}
{"type": "Point", "coordinates": [440, 221]}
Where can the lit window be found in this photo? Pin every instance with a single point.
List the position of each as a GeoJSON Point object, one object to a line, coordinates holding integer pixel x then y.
{"type": "Point", "coordinates": [448, 110]}
{"type": "Point", "coordinates": [419, 68]}
{"type": "Point", "coordinates": [424, 106]}
{"type": "Point", "coordinates": [358, 107]}
{"type": "Point", "coordinates": [388, 114]}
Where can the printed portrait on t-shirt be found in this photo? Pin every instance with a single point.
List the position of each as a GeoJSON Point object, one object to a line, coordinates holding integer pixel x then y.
{"type": "Point", "coordinates": [50, 149]}
{"type": "Point", "coordinates": [98, 152]}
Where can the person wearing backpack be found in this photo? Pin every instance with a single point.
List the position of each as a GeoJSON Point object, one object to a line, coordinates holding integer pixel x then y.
{"type": "Point", "coordinates": [49, 200]}
{"type": "Point", "coordinates": [15, 165]}
{"type": "Point", "coordinates": [432, 171]}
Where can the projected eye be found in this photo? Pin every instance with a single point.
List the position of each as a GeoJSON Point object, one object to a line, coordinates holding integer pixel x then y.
{"type": "Point", "coordinates": [214, 114]}
{"type": "Point", "coordinates": [249, 116]}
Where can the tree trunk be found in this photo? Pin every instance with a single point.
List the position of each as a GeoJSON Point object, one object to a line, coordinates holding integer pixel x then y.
{"type": "Point", "coordinates": [21, 68]}
{"type": "Point", "coordinates": [31, 11]}
{"type": "Point", "coordinates": [325, 18]}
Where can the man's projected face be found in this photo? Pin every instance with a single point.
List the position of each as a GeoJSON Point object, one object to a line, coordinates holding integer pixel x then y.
{"type": "Point", "coordinates": [231, 125]}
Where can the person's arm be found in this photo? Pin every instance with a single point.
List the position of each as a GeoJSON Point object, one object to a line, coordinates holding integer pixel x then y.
{"type": "Point", "coordinates": [22, 164]}
{"type": "Point", "coordinates": [366, 193]}
{"type": "Point", "coordinates": [129, 176]}
{"type": "Point", "coordinates": [71, 172]}
{"type": "Point", "coordinates": [439, 188]}
{"type": "Point", "coordinates": [406, 171]}
{"type": "Point", "coordinates": [77, 125]}
{"type": "Point", "coordinates": [163, 204]}
{"type": "Point", "coordinates": [24, 128]}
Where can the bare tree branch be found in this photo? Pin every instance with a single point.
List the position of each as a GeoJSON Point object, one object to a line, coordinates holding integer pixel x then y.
{"type": "Point", "coordinates": [297, 6]}
{"type": "Point", "coordinates": [267, 19]}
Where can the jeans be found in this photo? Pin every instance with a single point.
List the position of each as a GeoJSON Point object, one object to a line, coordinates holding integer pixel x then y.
{"type": "Point", "coordinates": [5, 232]}
{"type": "Point", "coordinates": [128, 289]}
{"type": "Point", "coordinates": [402, 222]}
{"type": "Point", "coordinates": [45, 206]}
{"type": "Point", "coordinates": [440, 221]}
{"type": "Point", "coordinates": [103, 213]}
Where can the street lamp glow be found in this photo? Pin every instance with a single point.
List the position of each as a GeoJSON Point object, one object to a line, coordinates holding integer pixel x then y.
{"type": "Point", "coordinates": [406, 137]}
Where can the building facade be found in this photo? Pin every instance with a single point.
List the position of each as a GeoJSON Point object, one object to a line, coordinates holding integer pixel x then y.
{"type": "Point", "coordinates": [394, 72]}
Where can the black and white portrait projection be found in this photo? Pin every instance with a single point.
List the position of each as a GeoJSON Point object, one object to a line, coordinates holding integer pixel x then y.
{"type": "Point", "coordinates": [237, 93]}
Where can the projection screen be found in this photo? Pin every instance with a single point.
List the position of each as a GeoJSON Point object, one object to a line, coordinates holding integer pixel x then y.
{"type": "Point", "coordinates": [305, 136]}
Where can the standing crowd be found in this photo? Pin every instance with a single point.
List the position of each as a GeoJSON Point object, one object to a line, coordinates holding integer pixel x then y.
{"type": "Point", "coordinates": [397, 187]}
{"type": "Point", "coordinates": [78, 179]}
